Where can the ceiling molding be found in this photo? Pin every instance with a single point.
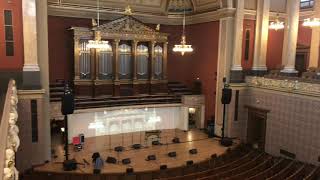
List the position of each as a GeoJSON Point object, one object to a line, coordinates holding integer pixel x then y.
{"type": "Point", "coordinates": [154, 12]}
{"type": "Point", "coordinates": [106, 14]}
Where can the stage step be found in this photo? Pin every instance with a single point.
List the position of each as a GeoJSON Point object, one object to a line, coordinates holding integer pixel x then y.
{"type": "Point", "coordinates": [179, 88]}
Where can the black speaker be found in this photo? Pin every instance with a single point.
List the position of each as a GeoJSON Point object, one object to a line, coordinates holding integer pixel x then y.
{"type": "Point", "coordinates": [111, 160]}
{"type": "Point", "coordinates": [126, 161]}
{"type": "Point", "coordinates": [189, 163]}
{"type": "Point", "coordinates": [176, 140]}
{"type": "Point", "coordinates": [226, 96]}
{"type": "Point", "coordinates": [67, 103]}
{"type": "Point", "coordinates": [172, 154]}
{"type": "Point", "coordinates": [136, 146]}
{"type": "Point", "coordinates": [151, 158]}
{"type": "Point", "coordinates": [163, 167]}
{"type": "Point", "coordinates": [119, 149]}
{"type": "Point", "coordinates": [193, 151]}
{"type": "Point", "coordinates": [129, 170]}
{"type": "Point", "coordinates": [81, 138]}
{"type": "Point", "coordinates": [70, 165]}
{"type": "Point", "coordinates": [226, 142]}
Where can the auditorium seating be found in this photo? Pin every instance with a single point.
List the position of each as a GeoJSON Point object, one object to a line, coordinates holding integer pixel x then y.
{"type": "Point", "coordinates": [238, 163]}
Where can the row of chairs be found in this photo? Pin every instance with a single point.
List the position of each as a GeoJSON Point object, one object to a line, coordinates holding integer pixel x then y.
{"type": "Point", "coordinates": [239, 163]}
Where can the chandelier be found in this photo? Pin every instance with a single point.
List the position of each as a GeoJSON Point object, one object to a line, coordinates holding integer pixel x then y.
{"type": "Point", "coordinates": [277, 24]}
{"type": "Point", "coordinates": [97, 43]}
{"type": "Point", "coordinates": [311, 22]}
{"type": "Point", "coordinates": [183, 47]}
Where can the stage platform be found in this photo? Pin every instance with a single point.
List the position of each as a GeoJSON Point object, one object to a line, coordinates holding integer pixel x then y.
{"type": "Point", "coordinates": [189, 139]}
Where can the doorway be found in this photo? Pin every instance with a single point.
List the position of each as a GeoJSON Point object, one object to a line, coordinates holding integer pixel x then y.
{"type": "Point", "coordinates": [194, 116]}
{"type": "Point", "coordinates": [301, 65]}
{"type": "Point", "coordinates": [302, 56]}
{"type": "Point", "coordinates": [256, 126]}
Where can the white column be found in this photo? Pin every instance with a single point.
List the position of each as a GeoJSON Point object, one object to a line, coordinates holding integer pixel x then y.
{"type": "Point", "coordinates": [315, 40]}
{"type": "Point", "coordinates": [30, 35]}
{"type": "Point", "coordinates": [31, 70]}
{"type": "Point", "coordinates": [226, 39]}
{"type": "Point", "coordinates": [238, 36]}
{"type": "Point", "coordinates": [290, 48]}
{"type": "Point", "coordinates": [261, 37]}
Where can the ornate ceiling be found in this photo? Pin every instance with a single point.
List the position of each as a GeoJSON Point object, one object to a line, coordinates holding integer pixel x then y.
{"type": "Point", "coordinates": [162, 11]}
{"type": "Point", "coordinates": [166, 11]}
{"type": "Point", "coordinates": [147, 6]}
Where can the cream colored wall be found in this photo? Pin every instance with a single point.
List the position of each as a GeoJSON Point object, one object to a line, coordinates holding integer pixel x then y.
{"type": "Point", "coordinates": [292, 125]}
{"type": "Point", "coordinates": [31, 153]}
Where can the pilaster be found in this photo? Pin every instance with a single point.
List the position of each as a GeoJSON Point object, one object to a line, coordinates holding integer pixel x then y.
{"type": "Point", "coordinates": [315, 41]}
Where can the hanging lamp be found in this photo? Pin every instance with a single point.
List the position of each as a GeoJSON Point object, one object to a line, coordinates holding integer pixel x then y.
{"type": "Point", "coordinates": [311, 22]}
{"type": "Point", "coordinates": [183, 47]}
{"type": "Point", "coordinates": [97, 43]}
{"type": "Point", "coordinates": [277, 24]}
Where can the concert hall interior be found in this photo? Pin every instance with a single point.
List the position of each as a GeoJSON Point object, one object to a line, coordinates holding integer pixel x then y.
{"type": "Point", "coordinates": [159, 89]}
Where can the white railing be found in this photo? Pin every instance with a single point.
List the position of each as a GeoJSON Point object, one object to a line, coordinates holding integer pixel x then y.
{"type": "Point", "coordinates": [9, 140]}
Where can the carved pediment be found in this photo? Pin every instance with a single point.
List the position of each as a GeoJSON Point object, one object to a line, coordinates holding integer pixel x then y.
{"type": "Point", "coordinates": [126, 24]}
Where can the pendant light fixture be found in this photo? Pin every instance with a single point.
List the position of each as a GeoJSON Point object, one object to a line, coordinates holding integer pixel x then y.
{"type": "Point", "coordinates": [97, 43]}
{"type": "Point", "coordinates": [277, 24]}
{"type": "Point", "coordinates": [311, 22]}
{"type": "Point", "coordinates": [183, 47]}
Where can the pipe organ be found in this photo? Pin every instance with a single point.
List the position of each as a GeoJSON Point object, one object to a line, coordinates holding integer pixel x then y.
{"type": "Point", "coordinates": [135, 62]}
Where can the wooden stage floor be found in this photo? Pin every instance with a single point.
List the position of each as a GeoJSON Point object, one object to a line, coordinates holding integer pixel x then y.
{"type": "Point", "coordinates": [102, 144]}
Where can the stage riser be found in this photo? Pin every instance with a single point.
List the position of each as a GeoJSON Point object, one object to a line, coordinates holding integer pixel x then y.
{"type": "Point", "coordinates": [87, 90]}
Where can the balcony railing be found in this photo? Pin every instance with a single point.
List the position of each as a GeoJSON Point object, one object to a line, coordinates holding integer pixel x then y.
{"type": "Point", "coordinates": [286, 85]}
{"type": "Point", "coordinates": [9, 140]}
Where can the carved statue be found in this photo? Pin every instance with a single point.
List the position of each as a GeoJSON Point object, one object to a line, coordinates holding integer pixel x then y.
{"type": "Point", "coordinates": [13, 141]}
{"type": "Point", "coordinates": [10, 155]}
{"type": "Point", "coordinates": [8, 174]}
{"type": "Point", "coordinates": [13, 117]}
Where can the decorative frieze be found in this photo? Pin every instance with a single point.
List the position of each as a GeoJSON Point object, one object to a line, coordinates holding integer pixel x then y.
{"type": "Point", "coordinates": [291, 86]}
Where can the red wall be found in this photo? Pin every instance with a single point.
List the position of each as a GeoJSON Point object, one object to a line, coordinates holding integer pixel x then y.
{"type": "Point", "coordinates": [12, 63]}
{"type": "Point", "coordinates": [275, 44]}
{"type": "Point", "coordinates": [274, 49]}
{"type": "Point", "coordinates": [60, 39]}
{"type": "Point", "coordinates": [179, 67]}
{"type": "Point", "coordinates": [304, 35]}
{"type": "Point", "coordinates": [202, 63]}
